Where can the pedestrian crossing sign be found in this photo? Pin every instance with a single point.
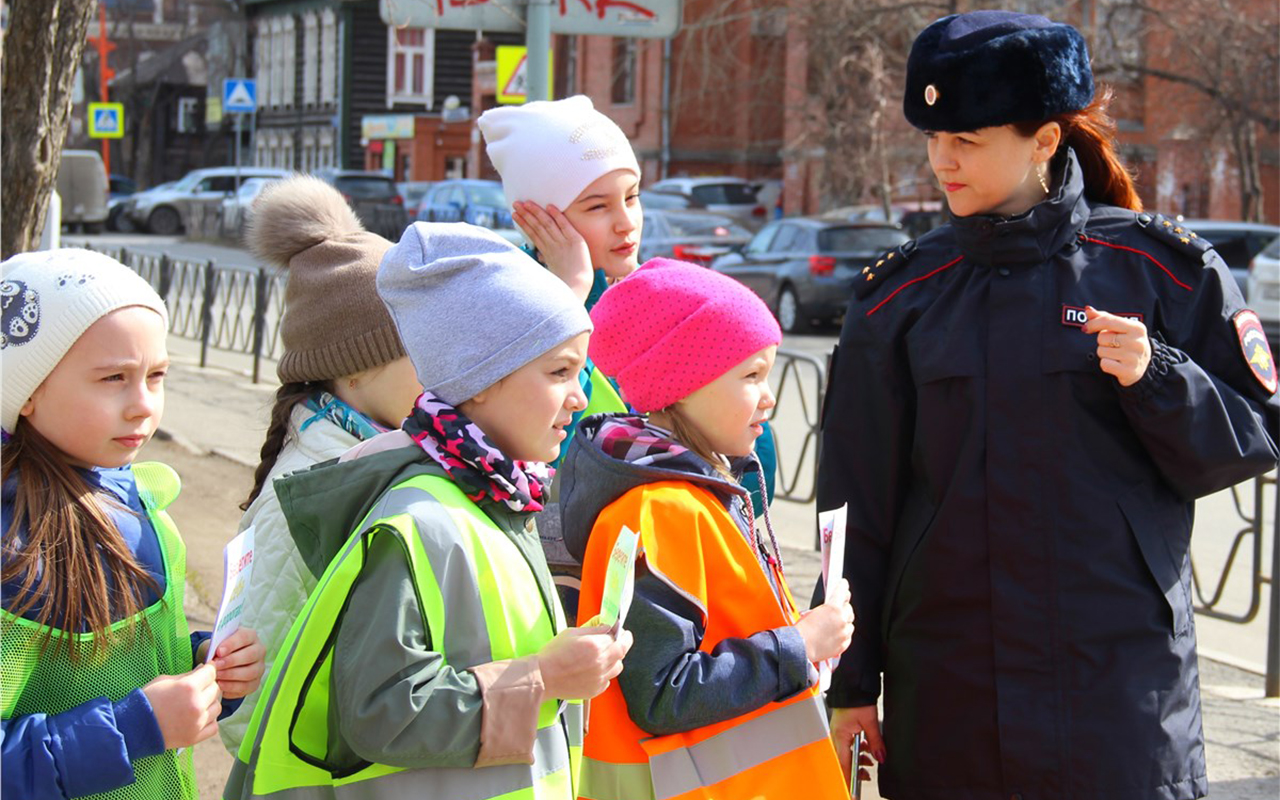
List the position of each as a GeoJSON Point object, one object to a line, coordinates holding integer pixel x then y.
{"type": "Point", "coordinates": [512, 77]}
{"type": "Point", "coordinates": [239, 95]}
{"type": "Point", "coordinates": [106, 120]}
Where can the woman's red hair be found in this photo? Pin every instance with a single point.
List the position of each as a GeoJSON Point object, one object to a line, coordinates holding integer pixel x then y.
{"type": "Point", "coordinates": [1090, 132]}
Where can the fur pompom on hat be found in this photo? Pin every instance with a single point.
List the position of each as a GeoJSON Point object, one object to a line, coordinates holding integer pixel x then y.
{"type": "Point", "coordinates": [670, 328]}
{"type": "Point", "coordinates": [334, 322]}
{"type": "Point", "coordinates": [48, 299]}
{"type": "Point", "coordinates": [548, 151]}
{"type": "Point", "coordinates": [988, 68]}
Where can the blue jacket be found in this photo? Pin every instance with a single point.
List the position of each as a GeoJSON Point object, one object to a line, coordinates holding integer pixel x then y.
{"type": "Point", "coordinates": [1019, 523]}
{"type": "Point", "coordinates": [89, 748]}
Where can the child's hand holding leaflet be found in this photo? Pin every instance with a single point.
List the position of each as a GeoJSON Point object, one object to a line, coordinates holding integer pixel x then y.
{"type": "Point", "coordinates": [831, 528]}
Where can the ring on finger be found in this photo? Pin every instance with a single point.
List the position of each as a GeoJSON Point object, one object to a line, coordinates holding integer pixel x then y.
{"type": "Point", "coordinates": [1115, 340]}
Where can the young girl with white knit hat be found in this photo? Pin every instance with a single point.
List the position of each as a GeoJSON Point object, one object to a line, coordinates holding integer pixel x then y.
{"type": "Point", "coordinates": [719, 697]}
{"type": "Point", "coordinates": [573, 182]}
{"type": "Point", "coordinates": [103, 690]}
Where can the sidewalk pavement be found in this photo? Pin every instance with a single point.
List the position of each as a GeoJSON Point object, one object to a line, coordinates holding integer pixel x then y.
{"type": "Point", "coordinates": [218, 410]}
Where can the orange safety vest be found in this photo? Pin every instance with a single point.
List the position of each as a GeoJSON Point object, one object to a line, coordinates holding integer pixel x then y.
{"type": "Point", "coordinates": [783, 749]}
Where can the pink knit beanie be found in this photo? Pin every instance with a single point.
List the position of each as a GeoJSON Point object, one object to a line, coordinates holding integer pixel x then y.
{"type": "Point", "coordinates": [670, 328]}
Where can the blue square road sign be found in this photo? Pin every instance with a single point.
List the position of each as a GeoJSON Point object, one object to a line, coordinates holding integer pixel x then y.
{"type": "Point", "coordinates": [239, 95]}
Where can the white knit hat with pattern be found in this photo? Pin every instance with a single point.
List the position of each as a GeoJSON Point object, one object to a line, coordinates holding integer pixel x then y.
{"type": "Point", "coordinates": [548, 151]}
{"type": "Point", "coordinates": [48, 299]}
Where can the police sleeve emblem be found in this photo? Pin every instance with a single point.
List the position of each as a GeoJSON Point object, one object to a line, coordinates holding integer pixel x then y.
{"type": "Point", "coordinates": [1257, 352]}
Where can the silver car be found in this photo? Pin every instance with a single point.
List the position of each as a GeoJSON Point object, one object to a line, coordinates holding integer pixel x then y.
{"type": "Point", "coordinates": [166, 209]}
{"type": "Point", "coordinates": [725, 194]}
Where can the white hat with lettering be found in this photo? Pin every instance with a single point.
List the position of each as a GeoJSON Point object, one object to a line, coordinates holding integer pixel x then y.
{"type": "Point", "coordinates": [548, 151]}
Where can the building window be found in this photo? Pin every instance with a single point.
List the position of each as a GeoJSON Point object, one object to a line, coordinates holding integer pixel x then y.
{"type": "Point", "coordinates": [262, 62]}
{"type": "Point", "coordinates": [310, 59]}
{"type": "Point", "coordinates": [277, 62]}
{"type": "Point", "coordinates": [410, 61]}
{"type": "Point", "coordinates": [624, 72]}
{"type": "Point", "coordinates": [328, 57]}
{"type": "Point", "coordinates": [566, 55]}
{"type": "Point", "coordinates": [289, 59]}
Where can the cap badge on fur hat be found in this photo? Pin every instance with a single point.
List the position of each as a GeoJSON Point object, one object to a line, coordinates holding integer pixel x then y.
{"type": "Point", "coordinates": [981, 69]}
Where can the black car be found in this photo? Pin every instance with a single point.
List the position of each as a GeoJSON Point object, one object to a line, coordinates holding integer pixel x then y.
{"type": "Point", "coordinates": [804, 268]}
{"type": "Point", "coordinates": [374, 197]}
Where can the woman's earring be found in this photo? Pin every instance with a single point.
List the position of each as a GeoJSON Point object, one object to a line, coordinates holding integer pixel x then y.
{"type": "Point", "coordinates": [1044, 180]}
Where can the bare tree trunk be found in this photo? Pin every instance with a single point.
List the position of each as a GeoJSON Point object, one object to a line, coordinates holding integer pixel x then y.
{"type": "Point", "coordinates": [42, 50]}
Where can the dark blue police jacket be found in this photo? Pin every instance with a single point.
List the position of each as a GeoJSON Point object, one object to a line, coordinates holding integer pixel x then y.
{"type": "Point", "coordinates": [1019, 523]}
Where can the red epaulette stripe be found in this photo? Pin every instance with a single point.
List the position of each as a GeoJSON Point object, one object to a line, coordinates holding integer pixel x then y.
{"type": "Point", "coordinates": [1172, 277]}
{"type": "Point", "coordinates": [894, 293]}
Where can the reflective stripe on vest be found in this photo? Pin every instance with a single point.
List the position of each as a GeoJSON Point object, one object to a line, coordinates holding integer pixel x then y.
{"type": "Point", "coordinates": [52, 682]}
{"type": "Point", "coordinates": [474, 615]}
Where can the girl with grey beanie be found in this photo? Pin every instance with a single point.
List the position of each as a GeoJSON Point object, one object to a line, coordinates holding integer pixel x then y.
{"type": "Point", "coordinates": [433, 657]}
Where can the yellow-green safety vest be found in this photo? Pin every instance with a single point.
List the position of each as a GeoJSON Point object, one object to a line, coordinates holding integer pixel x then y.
{"type": "Point", "coordinates": [283, 752]}
{"type": "Point", "coordinates": [151, 643]}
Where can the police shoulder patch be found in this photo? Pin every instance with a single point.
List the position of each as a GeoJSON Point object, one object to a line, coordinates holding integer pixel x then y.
{"type": "Point", "coordinates": [873, 274]}
{"type": "Point", "coordinates": [1256, 350]}
{"type": "Point", "coordinates": [1176, 235]}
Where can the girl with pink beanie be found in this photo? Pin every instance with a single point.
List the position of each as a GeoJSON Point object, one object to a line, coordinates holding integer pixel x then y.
{"type": "Point", "coordinates": [719, 696]}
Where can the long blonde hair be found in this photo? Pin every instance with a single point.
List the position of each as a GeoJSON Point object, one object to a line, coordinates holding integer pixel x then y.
{"type": "Point", "coordinates": [686, 432]}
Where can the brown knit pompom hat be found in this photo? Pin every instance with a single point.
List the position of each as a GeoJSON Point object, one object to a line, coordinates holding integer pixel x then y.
{"type": "Point", "coordinates": [334, 322]}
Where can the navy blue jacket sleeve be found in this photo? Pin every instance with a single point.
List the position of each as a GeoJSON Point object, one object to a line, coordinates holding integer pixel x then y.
{"type": "Point", "coordinates": [865, 462]}
{"type": "Point", "coordinates": [84, 750]}
{"type": "Point", "coordinates": [1203, 417]}
{"type": "Point", "coordinates": [671, 686]}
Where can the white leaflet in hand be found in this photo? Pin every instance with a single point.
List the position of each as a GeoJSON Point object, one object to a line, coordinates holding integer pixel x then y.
{"type": "Point", "coordinates": [237, 568]}
{"type": "Point", "coordinates": [831, 526]}
{"type": "Point", "coordinates": [619, 580]}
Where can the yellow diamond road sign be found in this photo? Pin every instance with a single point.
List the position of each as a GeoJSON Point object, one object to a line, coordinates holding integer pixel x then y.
{"type": "Point", "coordinates": [106, 120]}
{"type": "Point", "coordinates": [511, 74]}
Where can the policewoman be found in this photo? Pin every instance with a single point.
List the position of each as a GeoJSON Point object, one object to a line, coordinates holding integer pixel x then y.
{"type": "Point", "coordinates": [1024, 405]}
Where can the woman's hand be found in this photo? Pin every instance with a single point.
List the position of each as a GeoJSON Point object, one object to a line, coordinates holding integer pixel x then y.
{"type": "Point", "coordinates": [828, 629]}
{"type": "Point", "coordinates": [1123, 347]}
{"type": "Point", "coordinates": [847, 723]}
{"type": "Point", "coordinates": [239, 662]}
{"type": "Point", "coordinates": [579, 662]}
{"type": "Point", "coordinates": [559, 243]}
{"type": "Point", "coordinates": [186, 706]}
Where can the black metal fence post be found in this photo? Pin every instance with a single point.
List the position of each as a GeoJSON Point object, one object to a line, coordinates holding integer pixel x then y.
{"type": "Point", "coordinates": [259, 318]}
{"type": "Point", "coordinates": [166, 277]}
{"type": "Point", "coordinates": [206, 309]}
{"type": "Point", "coordinates": [1273, 624]}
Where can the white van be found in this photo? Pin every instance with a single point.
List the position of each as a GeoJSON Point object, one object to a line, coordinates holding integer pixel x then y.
{"type": "Point", "coordinates": [82, 183]}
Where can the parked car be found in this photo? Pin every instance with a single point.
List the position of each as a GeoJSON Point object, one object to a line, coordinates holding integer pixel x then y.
{"type": "Point", "coordinates": [236, 207]}
{"type": "Point", "coordinates": [166, 208]}
{"type": "Point", "coordinates": [373, 196]}
{"type": "Point", "coordinates": [1236, 242]}
{"type": "Point", "coordinates": [665, 201]}
{"type": "Point", "coordinates": [804, 267]}
{"type": "Point", "coordinates": [1264, 290]}
{"type": "Point", "coordinates": [725, 194]}
{"type": "Point", "coordinates": [412, 192]}
{"type": "Point", "coordinates": [695, 236]}
{"type": "Point", "coordinates": [478, 202]}
{"type": "Point", "coordinates": [82, 185]}
{"type": "Point", "coordinates": [120, 188]}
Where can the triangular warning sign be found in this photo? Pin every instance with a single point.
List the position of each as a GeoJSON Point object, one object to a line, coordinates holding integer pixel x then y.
{"type": "Point", "coordinates": [239, 96]}
{"type": "Point", "coordinates": [518, 83]}
{"type": "Point", "coordinates": [105, 121]}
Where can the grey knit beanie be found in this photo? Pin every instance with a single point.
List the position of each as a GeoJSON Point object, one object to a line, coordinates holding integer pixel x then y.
{"type": "Point", "coordinates": [471, 308]}
{"type": "Point", "coordinates": [334, 324]}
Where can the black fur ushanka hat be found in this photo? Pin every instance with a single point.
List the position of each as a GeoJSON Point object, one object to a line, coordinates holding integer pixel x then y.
{"type": "Point", "coordinates": [986, 68]}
